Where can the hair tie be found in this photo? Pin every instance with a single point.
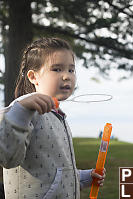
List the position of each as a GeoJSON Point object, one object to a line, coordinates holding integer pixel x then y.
{"type": "Point", "coordinates": [23, 73]}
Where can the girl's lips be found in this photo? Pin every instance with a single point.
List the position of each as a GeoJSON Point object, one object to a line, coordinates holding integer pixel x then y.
{"type": "Point", "coordinates": [66, 87]}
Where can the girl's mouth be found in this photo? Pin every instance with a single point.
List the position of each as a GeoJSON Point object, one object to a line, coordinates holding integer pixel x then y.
{"type": "Point", "coordinates": [65, 88]}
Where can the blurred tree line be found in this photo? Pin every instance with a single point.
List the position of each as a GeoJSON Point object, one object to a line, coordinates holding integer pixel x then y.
{"type": "Point", "coordinates": [100, 32]}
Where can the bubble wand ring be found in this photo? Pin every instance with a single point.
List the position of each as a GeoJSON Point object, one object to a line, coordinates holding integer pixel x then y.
{"type": "Point", "coordinates": [79, 98]}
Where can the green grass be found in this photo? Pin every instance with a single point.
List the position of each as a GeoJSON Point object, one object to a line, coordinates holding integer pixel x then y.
{"type": "Point", "coordinates": [120, 154]}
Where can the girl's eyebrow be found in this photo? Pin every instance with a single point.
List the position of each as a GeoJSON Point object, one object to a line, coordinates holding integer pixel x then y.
{"type": "Point", "coordinates": [62, 65]}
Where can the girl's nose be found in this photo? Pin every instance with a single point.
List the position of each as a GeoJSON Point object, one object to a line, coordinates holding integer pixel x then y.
{"type": "Point", "coordinates": [66, 76]}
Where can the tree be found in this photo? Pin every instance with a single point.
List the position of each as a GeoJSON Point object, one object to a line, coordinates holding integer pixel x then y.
{"type": "Point", "coordinates": [19, 33]}
{"type": "Point", "coordinates": [100, 31]}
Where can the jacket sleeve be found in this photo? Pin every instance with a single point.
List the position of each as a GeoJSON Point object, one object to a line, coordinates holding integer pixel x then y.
{"type": "Point", "coordinates": [85, 178]}
{"type": "Point", "coordinates": [15, 135]}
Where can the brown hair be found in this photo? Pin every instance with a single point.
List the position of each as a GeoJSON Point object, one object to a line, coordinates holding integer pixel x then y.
{"type": "Point", "coordinates": [33, 58]}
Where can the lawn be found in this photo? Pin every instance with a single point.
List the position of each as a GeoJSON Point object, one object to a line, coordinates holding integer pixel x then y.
{"type": "Point", "coordinates": [120, 154]}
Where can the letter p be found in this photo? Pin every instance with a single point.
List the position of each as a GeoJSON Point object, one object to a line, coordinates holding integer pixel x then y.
{"type": "Point", "coordinates": [126, 173]}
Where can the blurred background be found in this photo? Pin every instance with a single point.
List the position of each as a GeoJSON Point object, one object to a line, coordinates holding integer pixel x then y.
{"type": "Point", "coordinates": [101, 35]}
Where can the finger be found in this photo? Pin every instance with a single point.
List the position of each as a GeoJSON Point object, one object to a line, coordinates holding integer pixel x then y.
{"type": "Point", "coordinates": [45, 107]}
{"type": "Point", "coordinates": [37, 107]}
{"type": "Point", "coordinates": [43, 104]}
{"type": "Point", "coordinates": [104, 171]}
{"type": "Point", "coordinates": [48, 101]}
{"type": "Point", "coordinates": [96, 175]}
{"type": "Point", "coordinates": [40, 104]}
{"type": "Point", "coordinates": [100, 182]}
{"type": "Point", "coordinates": [52, 103]}
{"type": "Point", "coordinates": [101, 185]}
{"type": "Point", "coordinates": [104, 175]}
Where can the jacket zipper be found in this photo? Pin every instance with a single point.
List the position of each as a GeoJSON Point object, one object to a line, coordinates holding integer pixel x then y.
{"type": "Point", "coordinates": [71, 156]}
{"type": "Point", "coordinates": [61, 118]}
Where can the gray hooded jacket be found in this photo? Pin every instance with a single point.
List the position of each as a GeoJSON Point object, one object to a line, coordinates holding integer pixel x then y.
{"type": "Point", "coordinates": [37, 154]}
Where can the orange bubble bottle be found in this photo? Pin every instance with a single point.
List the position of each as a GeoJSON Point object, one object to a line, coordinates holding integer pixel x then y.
{"type": "Point", "coordinates": [101, 159]}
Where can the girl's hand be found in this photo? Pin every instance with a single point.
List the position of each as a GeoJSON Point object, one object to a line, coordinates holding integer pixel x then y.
{"type": "Point", "coordinates": [39, 102]}
{"type": "Point", "coordinates": [100, 178]}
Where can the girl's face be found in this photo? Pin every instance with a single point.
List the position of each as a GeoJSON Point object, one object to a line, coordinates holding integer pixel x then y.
{"type": "Point", "coordinates": [56, 77]}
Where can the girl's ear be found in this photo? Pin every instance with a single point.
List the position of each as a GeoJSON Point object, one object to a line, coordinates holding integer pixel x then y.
{"type": "Point", "coordinates": [32, 76]}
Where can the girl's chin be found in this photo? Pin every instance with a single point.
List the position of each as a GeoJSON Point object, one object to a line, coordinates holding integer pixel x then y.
{"type": "Point", "coordinates": [62, 98]}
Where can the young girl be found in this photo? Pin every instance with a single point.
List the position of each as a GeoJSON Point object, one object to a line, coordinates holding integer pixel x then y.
{"type": "Point", "coordinates": [36, 147]}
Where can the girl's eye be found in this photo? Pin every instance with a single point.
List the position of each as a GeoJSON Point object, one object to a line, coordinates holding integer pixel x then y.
{"type": "Point", "coordinates": [71, 70]}
{"type": "Point", "coordinates": [56, 69]}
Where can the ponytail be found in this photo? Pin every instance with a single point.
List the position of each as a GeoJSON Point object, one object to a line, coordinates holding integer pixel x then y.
{"type": "Point", "coordinates": [23, 86]}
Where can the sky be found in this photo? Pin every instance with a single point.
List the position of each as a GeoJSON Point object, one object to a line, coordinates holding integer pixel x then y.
{"type": "Point", "coordinates": [87, 120]}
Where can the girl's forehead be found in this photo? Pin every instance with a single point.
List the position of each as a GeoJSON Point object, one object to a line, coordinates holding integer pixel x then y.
{"type": "Point", "coordinates": [60, 56]}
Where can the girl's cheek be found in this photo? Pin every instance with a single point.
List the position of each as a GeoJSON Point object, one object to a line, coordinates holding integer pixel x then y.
{"type": "Point", "coordinates": [74, 81]}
